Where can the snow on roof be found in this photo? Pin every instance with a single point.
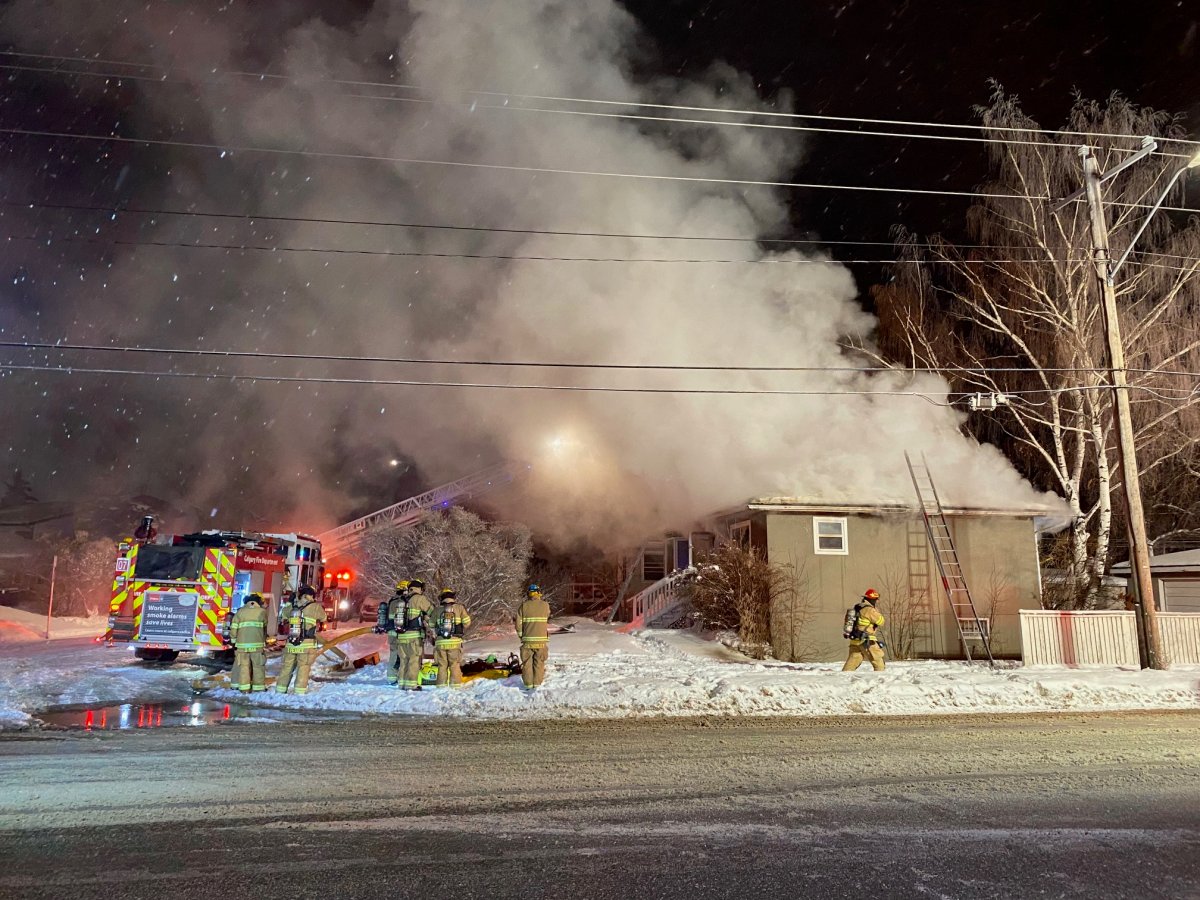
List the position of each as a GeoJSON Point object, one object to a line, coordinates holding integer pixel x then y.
{"type": "Point", "coordinates": [1183, 561]}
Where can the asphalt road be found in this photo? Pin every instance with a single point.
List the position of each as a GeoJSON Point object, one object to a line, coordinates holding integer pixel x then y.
{"type": "Point", "coordinates": [1006, 806]}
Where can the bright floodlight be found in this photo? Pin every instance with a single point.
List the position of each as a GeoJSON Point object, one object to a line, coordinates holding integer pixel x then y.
{"type": "Point", "coordinates": [1194, 161]}
{"type": "Point", "coordinates": [393, 463]}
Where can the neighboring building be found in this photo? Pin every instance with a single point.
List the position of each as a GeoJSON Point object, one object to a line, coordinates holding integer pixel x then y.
{"type": "Point", "coordinates": [1176, 580]}
{"type": "Point", "coordinates": [838, 550]}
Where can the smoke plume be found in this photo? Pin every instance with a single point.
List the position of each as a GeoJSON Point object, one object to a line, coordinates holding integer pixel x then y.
{"type": "Point", "coordinates": [606, 465]}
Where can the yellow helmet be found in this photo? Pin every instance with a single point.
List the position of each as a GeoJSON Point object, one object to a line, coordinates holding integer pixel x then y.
{"type": "Point", "coordinates": [402, 585]}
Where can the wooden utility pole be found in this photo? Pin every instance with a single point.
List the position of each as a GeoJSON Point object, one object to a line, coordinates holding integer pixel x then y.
{"type": "Point", "coordinates": [1139, 551]}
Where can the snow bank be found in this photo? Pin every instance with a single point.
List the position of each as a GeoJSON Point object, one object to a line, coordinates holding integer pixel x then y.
{"type": "Point", "coordinates": [18, 625]}
{"type": "Point", "coordinates": [599, 673]}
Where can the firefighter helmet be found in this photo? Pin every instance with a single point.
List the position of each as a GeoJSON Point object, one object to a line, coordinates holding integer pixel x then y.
{"type": "Point", "coordinates": [448, 594]}
{"type": "Point", "coordinates": [255, 598]}
{"type": "Point", "coordinates": [417, 584]}
{"type": "Point", "coordinates": [403, 585]}
{"type": "Point", "coordinates": [871, 594]}
{"type": "Point", "coordinates": [534, 589]}
{"type": "Point", "coordinates": [308, 591]}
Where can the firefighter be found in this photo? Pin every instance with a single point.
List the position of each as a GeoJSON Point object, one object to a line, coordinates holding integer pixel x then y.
{"type": "Point", "coordinates": [410, 622]}
{"type": "Point", "coordinates": [533, 616]}
{"type": "Point", "coordinates": [452, 622]}
{"type": "Point", "coordinates": [864, 637]}
{"type": "Point", "coordinates": [248, 632]}
{"type": "Point", "coordinates": [386, 624]}
{"type": "Point", "coordinates": [304, 617]}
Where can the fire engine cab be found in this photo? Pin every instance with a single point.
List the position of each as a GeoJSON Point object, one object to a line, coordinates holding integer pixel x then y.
{"type": "Point", "coordinates": [177, 594]}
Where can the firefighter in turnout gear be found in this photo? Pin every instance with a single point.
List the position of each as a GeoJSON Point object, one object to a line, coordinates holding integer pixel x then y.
{"type": "Point", "coordinates": [451, 625]}
{"type": "Point", "coordinates": [532, 621]}
{"type": "Point", "coordinates": [864, 637]}
{"type": "Point", "coordinates": [410, 617]}
{"type": "Point", "coordinates": [248, 632]}
{"type": "Point", "coordinates": [386, 624]}
{"type": "Point", "coordinates": [304, 616]}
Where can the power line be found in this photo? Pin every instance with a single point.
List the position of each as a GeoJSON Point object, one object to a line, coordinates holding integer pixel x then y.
{"type": "Point", "coordinates": [321, 357]}
{"type": "Point", "coordinates": [319, 379]}
{"type": "Point", "coordinates": [534, 170]}
{"type": "Point", "coordinates": [354, 251]}
{"type": "Point", "coordinates": [507, 107]}
{"type": "Point", "coordinates": [545, 170]}
{"type": "Point", "coordinates": [113, 211]}
{"type": "Point", "coordinates": [506, 95]}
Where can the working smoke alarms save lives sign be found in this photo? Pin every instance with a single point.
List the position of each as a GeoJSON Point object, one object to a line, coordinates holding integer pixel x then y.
{"type": "Point", "coordinates": [169, 616]}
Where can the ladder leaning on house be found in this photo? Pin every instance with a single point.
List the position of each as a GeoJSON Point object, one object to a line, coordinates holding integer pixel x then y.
{"type": "Point", "coordinates": [941, 542]}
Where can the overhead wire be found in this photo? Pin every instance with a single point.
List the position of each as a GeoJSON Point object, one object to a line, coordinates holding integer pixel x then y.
{"type": "Point", "coordinates": [451, 361]}
{"type": "Point", "coordinates": [546, 170]}
{"type": "Point", "coordinates": [114, 211]}
{"type": "Point", "coordinates": [436, 254]}
{"type": "Point", "coordinates": [506, 95]}
{"type": "Point", "coordinates": [674, 120]}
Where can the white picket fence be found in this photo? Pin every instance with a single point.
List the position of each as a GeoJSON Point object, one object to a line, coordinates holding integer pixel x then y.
{"type": "Point", "coordinates": [1102, 638]}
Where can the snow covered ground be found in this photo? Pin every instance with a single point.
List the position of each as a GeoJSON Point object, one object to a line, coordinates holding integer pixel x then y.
{"type": "Point", "coordinates": [599, 673]}
{"type": "Point", "coordinates": [17, 626]}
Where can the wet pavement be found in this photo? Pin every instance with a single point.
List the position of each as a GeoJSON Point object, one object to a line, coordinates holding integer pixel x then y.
{"type": "Point", "coordinates": [157, 714]}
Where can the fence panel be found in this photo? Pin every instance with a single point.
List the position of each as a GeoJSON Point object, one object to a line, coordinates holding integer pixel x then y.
{"type": "Point", "coordinates": [1079, 638]}
{"type": "Point", "coordinates": [1180, 633]}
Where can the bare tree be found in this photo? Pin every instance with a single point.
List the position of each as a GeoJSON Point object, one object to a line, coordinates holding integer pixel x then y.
{"type": "Point", "coordinates": [906, 612]}
{"type": "Point", "coordinates": [487, 563]}
{"type": "Point", "coordinates": [83, 581]}
{"type": "Point", "coordinates": [736, 588]}
{"type": "Point", "coordinates": [1016, 311]}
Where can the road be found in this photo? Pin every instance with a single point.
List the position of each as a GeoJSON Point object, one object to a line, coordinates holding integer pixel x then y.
{"type": "Point", "coordinates": [1104, 805]}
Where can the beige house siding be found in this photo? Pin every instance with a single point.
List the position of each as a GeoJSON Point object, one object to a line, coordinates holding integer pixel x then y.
{"type": "Point", "coordinates": [891, 553]}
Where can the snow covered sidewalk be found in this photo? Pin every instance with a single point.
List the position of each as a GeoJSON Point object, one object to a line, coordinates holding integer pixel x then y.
{"type": "Point", "coordinates": [599, 673]}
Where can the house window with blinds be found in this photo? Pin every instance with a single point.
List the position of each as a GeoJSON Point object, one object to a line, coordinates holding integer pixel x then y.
{"type": "Point", "coordinates": [829, 536]}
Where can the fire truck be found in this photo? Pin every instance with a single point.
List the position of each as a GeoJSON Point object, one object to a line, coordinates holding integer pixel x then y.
{"type": "Point", "coordinates": [176, 594]}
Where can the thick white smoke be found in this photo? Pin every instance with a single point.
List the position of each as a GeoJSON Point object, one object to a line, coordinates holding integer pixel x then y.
{"type": "Point", "coordinates": [606, 465]}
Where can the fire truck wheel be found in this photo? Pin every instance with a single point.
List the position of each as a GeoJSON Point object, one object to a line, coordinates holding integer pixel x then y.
{"type": "Point", "coordinates": [157, 656]}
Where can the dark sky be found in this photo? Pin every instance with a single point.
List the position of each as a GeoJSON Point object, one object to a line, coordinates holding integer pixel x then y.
{"type": "Point", "coordinates": [871, 58]}
{"type": "Point", "coordinates": [932, 60]}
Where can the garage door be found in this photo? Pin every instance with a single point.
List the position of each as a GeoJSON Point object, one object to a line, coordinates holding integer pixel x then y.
{"type": "Point", "coordinates": [1182, 596]}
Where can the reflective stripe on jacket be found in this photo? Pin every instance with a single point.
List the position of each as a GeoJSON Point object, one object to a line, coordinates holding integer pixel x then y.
{"type": "Point", "coordinates": [248, 630]}
{"type": "Point", "coordinates": [419, 609]}
{"type": "Point", "coordinates": [454, 614]}
{"type": "Point", "coordinates": [532, 620]}
{"type": "Point", "coordinates": [869, 618]}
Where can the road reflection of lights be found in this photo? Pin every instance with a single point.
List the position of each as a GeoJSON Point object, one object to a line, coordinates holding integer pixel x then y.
{"type": "Point", "coordinates": [126, 708]}
{"type": "Point", "coordinates": [89, 719]}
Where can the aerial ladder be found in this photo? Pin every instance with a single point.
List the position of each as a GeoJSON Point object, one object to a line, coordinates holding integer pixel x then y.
{"type": "Point", "coordinates": [941, 542]}
{"type": "Point", "coordinates": [408, 513]}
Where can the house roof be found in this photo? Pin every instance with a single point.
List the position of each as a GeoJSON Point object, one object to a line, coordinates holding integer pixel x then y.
{"type": "Point", "coordinates": [806, 504]}
{"type": "Point", "coordinates": [1183, 561]}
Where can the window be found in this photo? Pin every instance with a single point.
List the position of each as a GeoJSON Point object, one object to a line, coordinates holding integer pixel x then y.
{"type": "Point", "coordinates": [829, 536]}
{"type": "Point", "coordinates": [739, 533]}
{"type": "Point", "coordinates": [654, 562]}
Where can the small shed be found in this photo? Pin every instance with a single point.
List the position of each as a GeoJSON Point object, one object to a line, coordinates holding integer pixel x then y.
{"type": "Point", "coordinates": [838, 550]}
{"type": "Point", "coordinates": [1176, 580]}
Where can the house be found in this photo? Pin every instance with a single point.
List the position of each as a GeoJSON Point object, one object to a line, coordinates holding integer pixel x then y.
{"type": "Point", "coordinates": [1176, 580]}
{"type": "Point", "coordinates": [834, 551]}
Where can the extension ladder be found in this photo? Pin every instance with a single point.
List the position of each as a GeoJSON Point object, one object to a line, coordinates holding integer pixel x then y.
{"type": "Point", "coordinates": [962, 606]}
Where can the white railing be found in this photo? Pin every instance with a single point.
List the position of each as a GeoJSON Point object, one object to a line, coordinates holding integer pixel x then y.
{"type": "Point", "coordinates": [409, 512]}
{"type": "Point", "coordinates": [1180, 633]}
{"type": "Point", "coordinates": [657, 600]}
{"type": "Point", "coordinates": [1078, 638]}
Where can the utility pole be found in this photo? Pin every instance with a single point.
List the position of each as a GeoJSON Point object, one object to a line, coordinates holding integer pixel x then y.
{"type": "Point", "coordinates": [1138, 548]}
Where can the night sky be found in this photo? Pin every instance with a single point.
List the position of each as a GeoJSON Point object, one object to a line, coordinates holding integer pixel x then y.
{"type": "Point", "coordinates": [915, 61]}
